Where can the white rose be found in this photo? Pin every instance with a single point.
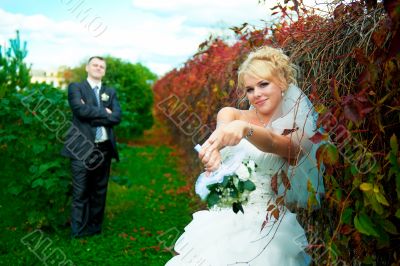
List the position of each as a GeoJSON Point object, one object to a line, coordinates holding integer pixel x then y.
{"type": "Point", "coordinates": [243, 172]}
{"type": "Point", "coordinates": [245, 195]}
{"type": "Point", "coordinates": [104, 97]}
{"type": "Point", "coordinates": [252, 165]}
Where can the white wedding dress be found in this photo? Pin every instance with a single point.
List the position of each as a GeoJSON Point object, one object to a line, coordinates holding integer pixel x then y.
{"type": "Point", "coordinates": [219, 237]}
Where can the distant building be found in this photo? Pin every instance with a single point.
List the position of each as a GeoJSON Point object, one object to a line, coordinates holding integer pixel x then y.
{"type": "Point", "coordinates": [52, 77]}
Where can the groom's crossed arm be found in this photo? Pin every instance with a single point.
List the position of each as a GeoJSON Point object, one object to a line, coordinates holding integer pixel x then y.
{"type": "Point", "coordinates": [113, 118]}
{"type": "Point", "coordinates": [81, 110]}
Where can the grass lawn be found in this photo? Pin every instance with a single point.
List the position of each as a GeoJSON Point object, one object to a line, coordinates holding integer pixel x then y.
{"type": "Point", "coordinates": [148, 206]}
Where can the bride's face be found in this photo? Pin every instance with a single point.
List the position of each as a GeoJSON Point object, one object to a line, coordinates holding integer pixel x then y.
{"type": "Point", "coordinates": [263, 94]}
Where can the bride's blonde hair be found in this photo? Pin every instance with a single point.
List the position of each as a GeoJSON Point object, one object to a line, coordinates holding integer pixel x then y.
{"type": "Point", "coordinates": [270, 64]}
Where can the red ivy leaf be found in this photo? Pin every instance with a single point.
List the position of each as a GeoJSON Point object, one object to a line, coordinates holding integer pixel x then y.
{"type": "Point", "coordinates": [318, 137]}
{"type": "Point", "coordinates": [289, 131]}
{"type": "Point", "coordinates": [339, 11]}
{"type": "Point", "coordinates": [328, 120]}
{"type": "Point", "coordinates": [342, 135]}
{"type": "Point", "coordinates": [379, 37]}
{"type": "Point", "coordinates": [346, 229]}
{"type": "Point", "coordinates": [394, 49]}
{"type": "Point", "coordinates": [285, 180]}
{"type": "Point", "coordinates": [392, 8]}
{"type": "Point", "coordinates": [274, 7]}
{"type": "Point", "coordinates": [314, 93]}
{"type": "Point", "coordinates": [364, 79]}
{"type": "Point", "coordinates": [263, 225]}
{"type": "Point", "coordinates": [356, 107]}
{"type": "Point", "coordinates": [280, 200]}
{"type": "Point", "coordinates": [270, 207]}
{"type": "Point", "coordinates": [328, 154]}
{"type": "Point", "coordinates": [360, 56]}
{"type": "Point", "coordinates": [274, 183]}
{"type": "Point", "coordinates": [333, 85]}
{"type": "Point", "coordinates": [275, 213]}
{"type": "Point", "coordinates": [353, 111]}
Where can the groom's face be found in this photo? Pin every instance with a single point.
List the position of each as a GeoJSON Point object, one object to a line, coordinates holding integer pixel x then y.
{"type": "Point", "coordinates": [96, 69]}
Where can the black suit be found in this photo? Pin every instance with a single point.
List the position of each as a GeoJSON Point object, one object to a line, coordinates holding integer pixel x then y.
{"type": "Point", "coordinates": [90, 161]}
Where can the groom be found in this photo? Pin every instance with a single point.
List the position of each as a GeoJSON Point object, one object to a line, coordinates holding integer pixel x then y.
{"type": "Point", "coordinates": [90, 144]}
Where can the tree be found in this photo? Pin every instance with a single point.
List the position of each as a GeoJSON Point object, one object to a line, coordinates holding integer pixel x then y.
{"type": "Point", "coordinates": [14, 73]}
{"type": "Point", "coordinates": [33, 119]}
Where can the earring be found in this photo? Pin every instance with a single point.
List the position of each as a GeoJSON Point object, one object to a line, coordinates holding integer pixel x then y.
{"type": "Point", "coordinates": [283, 94]}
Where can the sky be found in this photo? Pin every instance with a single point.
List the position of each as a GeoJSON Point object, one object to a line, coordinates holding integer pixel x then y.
{"type": "Point", "coordinates": [160, 34]}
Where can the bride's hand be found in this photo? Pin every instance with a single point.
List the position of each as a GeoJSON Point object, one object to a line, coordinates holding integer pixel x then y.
{"type": "Point", "coordinates": [211, 161]}
{"type": "Point", "coordinates": [229, 135]}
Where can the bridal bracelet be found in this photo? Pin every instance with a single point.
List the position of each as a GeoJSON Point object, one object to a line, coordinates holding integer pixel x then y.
{"type": "Point", "coordinates": [250, 132]}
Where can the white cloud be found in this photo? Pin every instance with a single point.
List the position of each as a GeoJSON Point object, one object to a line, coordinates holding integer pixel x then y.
{"type": "Point", "coordinates": [52, 43]}
{"type": "Point", "coordinates": [159, 34]}
{"type": "Point", "coordinates": [208, 12]}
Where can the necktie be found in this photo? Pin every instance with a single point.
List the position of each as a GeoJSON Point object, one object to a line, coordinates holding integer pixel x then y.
{"type": "Point", "coordinates": [97, 92]}
{"type": "Point", "coordinates": [99, 131]}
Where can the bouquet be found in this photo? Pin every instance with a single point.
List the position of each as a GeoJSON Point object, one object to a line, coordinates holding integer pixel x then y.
{"type": "Point", "coordinates": [230, 189]}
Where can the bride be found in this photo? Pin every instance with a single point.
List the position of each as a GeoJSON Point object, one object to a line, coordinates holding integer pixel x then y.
{"type": "Point", "coordinates": [274, 133]}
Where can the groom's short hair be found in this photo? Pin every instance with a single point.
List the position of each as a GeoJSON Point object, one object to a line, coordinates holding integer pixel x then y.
{"type": "Point", "coordinates": [96, 56]}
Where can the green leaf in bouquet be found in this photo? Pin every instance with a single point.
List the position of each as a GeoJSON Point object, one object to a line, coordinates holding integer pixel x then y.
{"type": "Point", "coordinates": [233, 192]}
{"type": "Point", "coordinates": [212, 199]}
{"type": "Point", "coordinates": [213, 187]}
{"type": "Point", "coordinates": [240, 186]}
{"type": "Point", "coordinates": [237, 206]}
{"type": "Point", "coordinates": [226, 180]}
{"type": "Point", "coordinates": [249, 185]}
